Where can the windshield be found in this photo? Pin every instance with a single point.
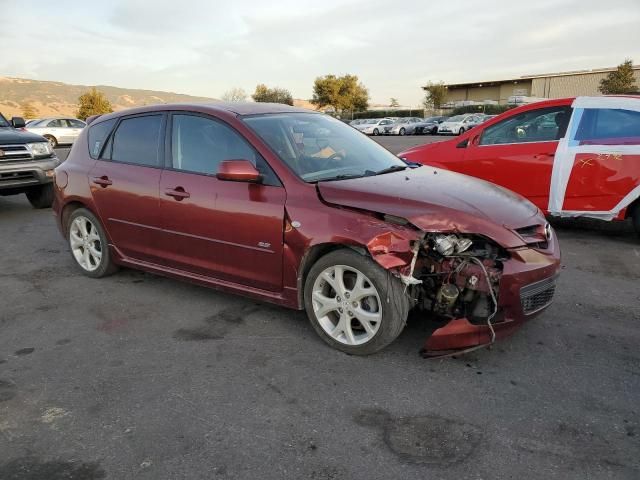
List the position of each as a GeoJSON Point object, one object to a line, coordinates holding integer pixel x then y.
{"type": "Point", "coordinates": [3, 121]}
{"type": "Point", "coordinates": [318, 147]}
{"type": "Point", "coordinates": [457, 118]}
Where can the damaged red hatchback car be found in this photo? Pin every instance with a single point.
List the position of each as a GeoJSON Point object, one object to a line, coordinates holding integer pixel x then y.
{"type": "Point", "coordinates": [296, 208]}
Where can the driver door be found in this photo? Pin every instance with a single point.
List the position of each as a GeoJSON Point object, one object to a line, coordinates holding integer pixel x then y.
{"type": "Point", "coordinates": [518, 152]}
{"type": "Point", "coordinates": [231, 231]}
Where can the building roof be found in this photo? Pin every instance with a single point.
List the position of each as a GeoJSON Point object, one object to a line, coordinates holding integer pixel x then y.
{"type": "Point", "coordinates": [515, 80]}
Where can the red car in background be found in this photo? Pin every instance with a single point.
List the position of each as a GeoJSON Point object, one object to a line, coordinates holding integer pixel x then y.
{"type": "Point", "coordinates": [572, 157]}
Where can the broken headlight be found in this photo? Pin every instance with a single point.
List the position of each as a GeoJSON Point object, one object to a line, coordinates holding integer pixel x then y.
{"type": "Point", "coordinates": [447, 245]}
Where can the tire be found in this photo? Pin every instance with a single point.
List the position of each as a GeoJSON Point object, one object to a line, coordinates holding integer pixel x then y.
{"type": "Point", "coordinates": [402, 131]}
{"type": "Point", "coordinates": [381, 302]}
{"type": "Point", "coordinates": [98, 259]}
{"type": "Point", "coordinates": [376, 132]}
{"type": "Point", "coordinates": [40, 196]}
{"type": "Point", "coordinates": [52, 140]}
{"type": "Point", "coordinates": [635, 217]}
{"type": "Point", "coordinates": [434, 131]}
{"type": "Point", "coordinates": [461, 131]}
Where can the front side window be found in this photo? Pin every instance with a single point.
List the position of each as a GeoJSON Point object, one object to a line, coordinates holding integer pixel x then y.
{"type": "Point", "coordinates": [55, 124]}
{"type": "Point", "coordinates": [541, 125]}
{"type": "Point", "coordinates": [200, 144]}
{"type": "Point", "coordinates": [137, 141]}
{"type": "Point", "coordinates": [3, 121]}
{"type": "Point", "coordinates": [608, 126]}
{"type": "Point", "coordinates": [318, 148]}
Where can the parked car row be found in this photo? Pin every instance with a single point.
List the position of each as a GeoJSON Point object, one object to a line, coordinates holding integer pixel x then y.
{"type": "Point", "coordinates": [455, 125]}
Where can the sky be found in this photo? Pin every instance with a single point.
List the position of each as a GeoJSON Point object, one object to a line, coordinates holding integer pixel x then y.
{"type": "Point", "coordinates": [206, 47]}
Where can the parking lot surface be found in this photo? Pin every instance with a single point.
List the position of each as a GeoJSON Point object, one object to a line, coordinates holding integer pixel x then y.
{"type": "Point", "coordinates": [139, 376]}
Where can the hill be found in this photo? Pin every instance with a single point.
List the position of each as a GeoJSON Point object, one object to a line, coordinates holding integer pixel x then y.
{"type": "Point", "coordinates": [57, 98]}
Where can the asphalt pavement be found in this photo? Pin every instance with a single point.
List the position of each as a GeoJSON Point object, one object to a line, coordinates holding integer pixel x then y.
{"type": "Point", "coordinates": [136, 376]}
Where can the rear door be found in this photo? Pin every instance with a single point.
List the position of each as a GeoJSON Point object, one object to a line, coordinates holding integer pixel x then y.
{"type": "Point", "coordinates": [125, 181]}
{"type": "Point", "coordinates": [231, 231]}
{"type": "Point", "coordinates": [606, 160]}
{"type": "Point", "coordinates": [518, 152]}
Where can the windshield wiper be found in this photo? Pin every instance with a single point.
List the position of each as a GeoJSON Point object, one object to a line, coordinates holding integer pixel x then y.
{"type": "Point", "coordinates": [392, 168]}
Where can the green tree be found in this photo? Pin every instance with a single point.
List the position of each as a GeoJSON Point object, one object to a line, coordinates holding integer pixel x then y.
{"type": "Point", "coordinates": [235, 95]}
{"type": "Point", "coordinates": [272, 95]}
{"type": "Point", "coordinates": [436, 93]}
{"type": "Point", "coordinates": [93, 102]}
{"type": "Point", "coordinates": [393, 103]}
{"type": "Point", "coordinates": [619, 81]}
{"type": "Point", "coordinates": [340, 93]}
{"type": "Point", "coordinates": [28, 110]}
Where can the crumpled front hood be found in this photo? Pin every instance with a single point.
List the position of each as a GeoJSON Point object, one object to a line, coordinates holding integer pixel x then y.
{"type": "Point", "coordinates": [13, 136]}
{"type": "Point", "coordinates": [439, 200]}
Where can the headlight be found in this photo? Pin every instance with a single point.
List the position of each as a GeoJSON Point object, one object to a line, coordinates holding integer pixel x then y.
{"type": "Point", "coordinates": [447, 245]}
{"type": "Point", "coordinates": [41, 149]}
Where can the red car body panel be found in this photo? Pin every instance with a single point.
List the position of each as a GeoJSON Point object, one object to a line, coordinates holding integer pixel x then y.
{"type": "Point", "coordinates": [598, 182]}
{"type": "Point", "coordinates": [211, 237]}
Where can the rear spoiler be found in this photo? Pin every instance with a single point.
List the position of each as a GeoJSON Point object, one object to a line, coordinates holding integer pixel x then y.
{"type": "Point", "coordinates": [91, 119]}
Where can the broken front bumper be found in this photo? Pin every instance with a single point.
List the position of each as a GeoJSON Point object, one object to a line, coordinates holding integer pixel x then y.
{"type": "Point", "coordinates": [527, 288]}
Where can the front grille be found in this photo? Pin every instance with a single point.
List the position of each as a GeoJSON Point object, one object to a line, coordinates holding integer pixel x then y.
{"type": "Point", "coordinates": [17, 178]}
{"type": "Point", "coordinates": [536, 296]}
{"type": "Point", "coordinates": [11, 153]}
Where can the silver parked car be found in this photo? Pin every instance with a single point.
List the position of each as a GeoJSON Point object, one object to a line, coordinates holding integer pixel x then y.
{"type": "Point", "coordinates": [374, 126]}
{"type": "Point", "coordinates": [402, 126]}
{"type": "Point", "coordinates": [57, 130]}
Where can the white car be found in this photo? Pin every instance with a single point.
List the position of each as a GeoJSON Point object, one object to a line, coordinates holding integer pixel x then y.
{"type": "Point", "coordinates": [58, 130]}
{"type": "Point", "coordinates": [375, 126]}
{"type": "Point", "coordinates": [459, 124]}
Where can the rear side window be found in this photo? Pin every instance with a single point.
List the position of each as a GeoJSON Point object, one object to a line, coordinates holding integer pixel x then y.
{"type": "Point", "coordinates": [608, 126]}
{"type": "Point", "coordinates": [137, 141]}
{"type": "Point", "coordinates": [98, 134]}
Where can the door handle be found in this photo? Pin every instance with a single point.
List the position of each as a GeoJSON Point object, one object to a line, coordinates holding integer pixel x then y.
{"type": "Point", "coordinates": [178, 193]}
{"type": "Point", "coordinates": [103, 181]}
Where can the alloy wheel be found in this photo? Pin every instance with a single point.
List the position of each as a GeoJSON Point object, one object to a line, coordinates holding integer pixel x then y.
{"type": "Point", "coordinates": [346, 305]}
{"type": "Point", "coordinates": [85, 243]}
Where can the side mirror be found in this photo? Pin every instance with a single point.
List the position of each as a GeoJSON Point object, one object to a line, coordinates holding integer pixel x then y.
{"type": "Point", "coordinates": [238, 171]}
{"type": "Point", "coordinates": [17, 122]}
{"type": "Point", "coordinates": [463, 144]}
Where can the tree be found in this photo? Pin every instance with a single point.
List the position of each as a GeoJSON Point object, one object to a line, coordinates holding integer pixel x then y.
{"type": "Point", "coordinates": [235, 95]}
{"type": "Point", "coordinates": [436, 93]}
{"type": "Point", "coordinates": [622, 80]}
{"type": "Point", "coordinates": [28, 110]}
{"type": "Point", "coordinates": [93, 102]}
{"type": "Point", "coordinates": [272, 95]}
{"type": "Point", "coordinates": [393, 102]}
{"type": "Point", "coordinates": [340, 93]}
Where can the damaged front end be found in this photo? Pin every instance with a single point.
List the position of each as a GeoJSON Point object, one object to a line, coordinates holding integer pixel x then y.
{"type": "Point", "coordinates": [451, 279]}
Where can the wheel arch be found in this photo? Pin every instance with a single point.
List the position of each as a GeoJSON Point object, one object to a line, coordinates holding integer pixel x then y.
{"type": "Point", "coordinates": [67, 210]}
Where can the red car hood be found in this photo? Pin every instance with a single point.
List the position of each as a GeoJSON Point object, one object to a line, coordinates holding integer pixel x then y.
{"type": "Point", "coordinates": [433, 199]}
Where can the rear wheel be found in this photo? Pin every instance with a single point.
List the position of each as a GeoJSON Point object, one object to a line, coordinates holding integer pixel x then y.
{"type": "Point", "coordinates": [354, 304]}
{"type": "Point", "coordinates": [41, 196]}
{"type": "Point", "coordinates": [52, 140]}
{"type": "Point", "coordinates": [635, 216]}
{"type": "Point", "coordinates": [88, 243]}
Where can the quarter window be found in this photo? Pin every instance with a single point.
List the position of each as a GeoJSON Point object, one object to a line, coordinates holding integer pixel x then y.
{"type": "Point", "coordinates": [98, 134]}
{"type": "Point", "coordinates": [608, 126]}
{"type": "Point", "coordinates": [137, 141]}
{"type": "Point", "coordinates": [200, 144]}
{"type": "Point", "coordinates": [541, 125]}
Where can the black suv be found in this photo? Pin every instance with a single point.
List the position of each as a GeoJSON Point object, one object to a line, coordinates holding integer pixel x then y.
{"type": "Point", "coordinates": [26, 163]}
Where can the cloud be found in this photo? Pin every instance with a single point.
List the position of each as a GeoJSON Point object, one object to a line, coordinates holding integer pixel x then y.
{"type": "Point", "coordinates": [205, 47]}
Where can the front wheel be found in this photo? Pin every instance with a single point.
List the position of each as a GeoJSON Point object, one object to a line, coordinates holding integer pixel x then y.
{"type": "Point", "coordinates": [461, 131]}
{"type": "Point", "coordinates": [89, 245]}
{"type": "Point", "coordinates": [41, 196]}
{"type": "Point", "coordinates": [354, 304]}
{"type": "Point", "coordinates": [376, 132]}
{"type": "Point", "coordinates": [402, 131]}
{"type": "Point", "coordinates": [52, 140]}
